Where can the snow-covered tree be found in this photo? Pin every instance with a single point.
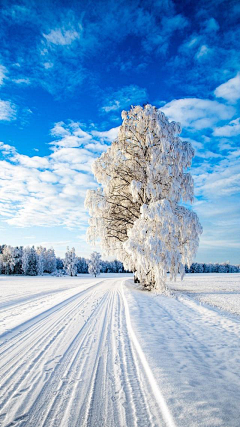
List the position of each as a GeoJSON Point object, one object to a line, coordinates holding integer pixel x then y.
{"type": "Point", "coordinates": [70, 262]}
{"type": "Point", "coordinates": [94, 264]}
{"type": "Point", "coordinates": [29, 261]}
{"type": "Point", "coordinates": [50, 261]}
{"type": "Point", "coordinates": [137, 213]}
{"type": "Point", "coordinates": [32, 262]}
{"type": "Point", "coordinates": [82, 265]}
{"type": "Point", "coordinates": [9, 259]}
{"type": "Point", "coordinates": [59, 263]}
{"type": "Point", "coordinates": [18, 251]}
{"type": "Point", "coordinates": [25, 260]}
{"type": "Point", "coordinates": [40, 260]}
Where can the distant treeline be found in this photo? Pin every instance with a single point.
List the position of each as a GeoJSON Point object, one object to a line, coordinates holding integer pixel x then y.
{"type": "Point", "coordinates": [224, 267]}
{"type": "Point", "coordinates": [33, 261]}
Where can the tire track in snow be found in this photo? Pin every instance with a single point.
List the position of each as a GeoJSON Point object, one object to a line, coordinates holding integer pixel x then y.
{"type": "Point", "coordinates": [75, 369]}
{"type": "Point", "coordinates": [199, 361]}
{"type": "Point", "coordinates": [35, 319]}
{"type": "Point", "coordinates": [134, 384]}
{"type": "Point", "coordinates": [155, 388]}
{"type": "Point", "coordinates": [91, 368]}
{"type": "Point", "coordinates": [82, 365]}
{"type": "Point", "coordinates": [45, 335]}
{"type": "Point", "coordinates": [35, 359]}
{"type": "Point", "coordinates": [52, 391]}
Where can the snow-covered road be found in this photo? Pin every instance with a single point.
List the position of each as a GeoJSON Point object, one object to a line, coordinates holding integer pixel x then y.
{"type": "Point", "coordinates": [101, 353]}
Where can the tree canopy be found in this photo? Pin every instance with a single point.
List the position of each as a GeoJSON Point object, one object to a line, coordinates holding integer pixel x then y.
{"type": "Point", "coordinates": [136, 213]}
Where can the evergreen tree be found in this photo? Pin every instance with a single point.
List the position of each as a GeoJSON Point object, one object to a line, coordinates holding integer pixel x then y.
{"type": "Point", "coordinates": [82, 265]}
{"type": "Point", "coordinates": [40, 260]}
{"type": "Point", "coordinates": [18, 260]}
{"type": "Point", "coordinates": [32, 262]}
{"type": "Point", "coordinates": [25, 260]}
{"type": "Point", "coordinates": [59, 263]}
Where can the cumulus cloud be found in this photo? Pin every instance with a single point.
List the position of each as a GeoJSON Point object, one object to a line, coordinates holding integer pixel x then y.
{"type": "Point", "coordinates": [197, 113]}
{"type": "Point", "coordinates": [229, 90]}
{"type": "Point", "coordinates": [7, 110]}
{"type": "Point", "coordinates": [217, 187]}
{"type": "Point", "coordinates": [69, 135]}
{"type": "Point", "coordinates": [231, 129]}
{"type": "Point", "coordinates": [201, 150]}
{"type": "Point", "coordinates": [221, 179]}
{"type": "Point", "coordinates": [109, 135]}
{"type": "Point", "coordinates": [50, 190]}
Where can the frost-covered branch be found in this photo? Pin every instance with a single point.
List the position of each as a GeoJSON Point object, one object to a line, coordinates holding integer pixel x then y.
{"type": "Point", "coordinates": [136, 213]}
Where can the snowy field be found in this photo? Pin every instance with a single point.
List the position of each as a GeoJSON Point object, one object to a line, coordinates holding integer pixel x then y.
{"type": "Point", "coordinates": [100, 353]}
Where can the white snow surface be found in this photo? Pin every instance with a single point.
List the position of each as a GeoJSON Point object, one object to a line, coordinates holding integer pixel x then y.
{"type": "Point", "coordinates": [80, 351]}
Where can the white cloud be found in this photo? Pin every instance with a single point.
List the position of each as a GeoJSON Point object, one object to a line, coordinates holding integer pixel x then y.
{"type": "Point", "coordinates": [197, 113]}
{"type": "Point", "coordinates": [7, 149]}
{"type": "Point", "coordinates": [3, 73]}
{"type": "Point", "coordinates": [202, 52]}
{"type": "Point", "coordinates": [218, 207]}
{"type": "Point", "coordinates": [229, 90]}
{"type": "Point", "coordinates": [189, 45]}
{"type": "Point", "coordinates": [213, 243]}
{"type": "Point", "coordinates": [48, 65]}
{"type": "Point", "coordinates": [232, 129]}
{"type": "Point", "coordinates": [7, 111]}
{"type": "Point", "coordinates": [220, 180]}
{"type": "Point", "coordinates": [201, 150]}
{"type": "Point", "coordinates": [22, 81]}
{"type": "Point", "coordinates": [70, 135]}
{"type": "Point", "coordinates": [109, 135]}
{"type": "Point", "coordinates": [31, 162]}
{"type": "Point", "coordinates": [50, 190]}
{"type": "Point", "coordinates": [61, 36]}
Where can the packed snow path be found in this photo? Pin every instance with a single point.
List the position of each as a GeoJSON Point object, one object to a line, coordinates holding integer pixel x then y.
{"type": "Point", "coordinates": [105, 354]}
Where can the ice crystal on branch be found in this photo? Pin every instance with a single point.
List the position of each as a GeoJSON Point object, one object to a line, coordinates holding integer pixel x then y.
{"type": "Point", "coordinates": [137, 213]}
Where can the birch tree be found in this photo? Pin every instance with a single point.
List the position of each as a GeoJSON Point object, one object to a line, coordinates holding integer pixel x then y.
{"type": "Point", "coordinates": [9, 259]}
{"type": "Point", "coordinates": [94, 264]}
{"type": "Point", "coordinates": [137, 213]}
{"type": "Point", "coordinates": [70, 262]}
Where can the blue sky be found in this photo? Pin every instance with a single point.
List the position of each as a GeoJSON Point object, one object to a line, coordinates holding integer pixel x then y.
{"type": "Point", "coordinates": [67, 69]}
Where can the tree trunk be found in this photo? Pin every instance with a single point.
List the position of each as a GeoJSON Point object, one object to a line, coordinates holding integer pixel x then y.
{"type": "Point", "coordinates": [136, 279]}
